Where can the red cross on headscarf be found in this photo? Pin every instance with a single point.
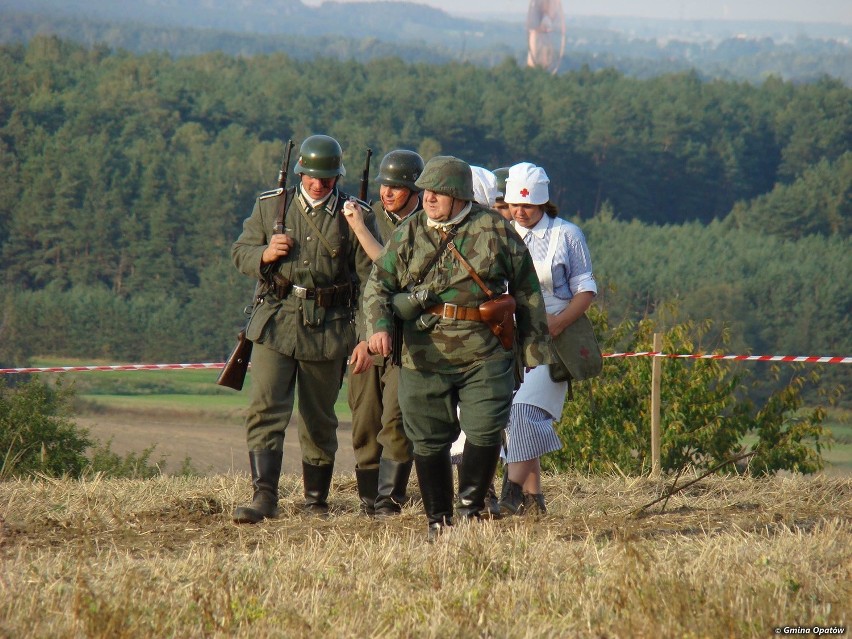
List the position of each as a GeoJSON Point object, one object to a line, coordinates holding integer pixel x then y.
{"type": "Point", "coordinates": [525, 193]}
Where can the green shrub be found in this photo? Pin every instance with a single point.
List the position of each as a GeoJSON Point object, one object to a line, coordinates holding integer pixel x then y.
{"type": "Point", "coordinates": [36, 434]}
{"type": "Point", "coordinates": [707, 415]}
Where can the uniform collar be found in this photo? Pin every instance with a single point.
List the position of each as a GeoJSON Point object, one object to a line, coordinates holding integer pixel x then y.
{"type": "Point", "coordinates": [328, 203]}
{"type": "Point", "coordinates": [538, 230]}
{"type": "Point", "coordinates": [396, 220]}
{"type": "Point", "coordinates": [446, 226]}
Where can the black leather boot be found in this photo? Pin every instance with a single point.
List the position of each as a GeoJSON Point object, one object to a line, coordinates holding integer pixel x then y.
{"type": "Point", "coordinates": [435, 476]}
{"type": "Point", "coordinates": [317, 480]}
{"type": "Point", "coordinates": [513, 501]}
{"type": "Point", "coordinates": [265, 472]}
{"type": "Point", "coordinates": [475, 477]}
{"type": "Point", "coordinates": [368, 486]}
{"type": "Point", "coordinates": [393, 483]}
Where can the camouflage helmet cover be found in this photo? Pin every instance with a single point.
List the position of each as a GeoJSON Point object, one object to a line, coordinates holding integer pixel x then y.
{"type": "Point", "coordinates": [320, 156]}
{"type": "Point", "coordinates": [400, 168]}
{"type": "Point", "coordinates": [448, 175]}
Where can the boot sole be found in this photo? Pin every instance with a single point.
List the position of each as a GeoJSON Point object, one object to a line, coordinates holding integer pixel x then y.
{"type": "Point", "coordinates": [243, 515]}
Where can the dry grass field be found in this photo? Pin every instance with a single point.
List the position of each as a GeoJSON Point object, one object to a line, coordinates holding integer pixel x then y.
{"type": "Point", "coordinates": [728, 557]}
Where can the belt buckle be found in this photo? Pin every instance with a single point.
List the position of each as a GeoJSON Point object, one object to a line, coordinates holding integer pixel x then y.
{"type": "Point", "coordinates": [300, 291]}
{"type": "Point", "coordinates": [455, 311]}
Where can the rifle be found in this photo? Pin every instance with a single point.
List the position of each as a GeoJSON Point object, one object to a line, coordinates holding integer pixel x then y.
{"type": "Point", "coordinates": [365, 178]}
{"type": "Point", "coordinates": [233, 373]}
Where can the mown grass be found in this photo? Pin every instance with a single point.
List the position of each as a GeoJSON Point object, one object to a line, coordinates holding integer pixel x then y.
{"type": "Point", "coordinates": [728, 557]}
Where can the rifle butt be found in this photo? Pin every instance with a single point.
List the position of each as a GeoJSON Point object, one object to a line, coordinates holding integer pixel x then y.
{"type": "Point", "coordinates": [233, 373]}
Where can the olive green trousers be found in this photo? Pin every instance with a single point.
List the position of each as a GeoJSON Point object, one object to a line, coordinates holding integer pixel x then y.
{"type": "Point", "coordinates": [377, 429]}
{"type": "Point", "coordinates": [276, 380]}
{"type": "Point", "coordinates": [436, 406]}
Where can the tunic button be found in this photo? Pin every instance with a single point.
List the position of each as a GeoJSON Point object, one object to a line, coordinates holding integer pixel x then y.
{"type": "Point", "coordinates": [308, 238]}
{"type": "Point", "coordinates": [306, 262]}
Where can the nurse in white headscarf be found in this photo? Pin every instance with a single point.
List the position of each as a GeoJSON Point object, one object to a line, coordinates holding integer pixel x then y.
{"type": "Point", "coordinates": [564, 268]}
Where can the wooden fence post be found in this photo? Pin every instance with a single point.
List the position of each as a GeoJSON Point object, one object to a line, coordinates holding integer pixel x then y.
{"type": "Point", "coordinates": [656, 374]}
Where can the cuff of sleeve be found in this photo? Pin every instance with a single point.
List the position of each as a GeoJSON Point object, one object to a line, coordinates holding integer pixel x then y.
{"type": "Point", "coordinates": [584, 283]}
{"type": "Point", "coordinates": [538, 352]}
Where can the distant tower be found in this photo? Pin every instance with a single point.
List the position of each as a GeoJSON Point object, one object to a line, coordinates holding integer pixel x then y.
{"type": "Point", "coordinates": [545, 34]}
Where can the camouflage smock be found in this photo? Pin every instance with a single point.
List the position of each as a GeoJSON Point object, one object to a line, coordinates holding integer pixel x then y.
{"type": "Point", "coordinates": [293, 326]}
{"type": "Point", "coordinates": [497, 254]}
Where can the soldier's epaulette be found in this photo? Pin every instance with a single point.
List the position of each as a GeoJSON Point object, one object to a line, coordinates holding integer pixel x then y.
{"type": "Point", "coordinates": [268, 194]}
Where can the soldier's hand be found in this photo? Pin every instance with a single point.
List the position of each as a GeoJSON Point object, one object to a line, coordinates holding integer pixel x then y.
{"type": "Point", "coordinates": [360, 359]}
{"type": "Point", "coordinates": [380, 343]}
{"type": "Point", "coordinates": [279, 246]}
{"type": "Point", "coordinates": [353, 214]}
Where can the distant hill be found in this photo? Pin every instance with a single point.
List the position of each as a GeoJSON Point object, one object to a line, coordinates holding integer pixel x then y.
{"type": "Point", "coordinates": [749, 51]}
{"type": "Point", "coordinates": [392, 21]}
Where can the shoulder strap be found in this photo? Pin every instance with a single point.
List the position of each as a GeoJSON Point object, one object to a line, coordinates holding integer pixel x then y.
{"type": "Point", "coordinates": [452, 246]}
{"type": "Point", "coordinates": [446, 238]}
{"type": "Point", "coordinates": [283, 205]}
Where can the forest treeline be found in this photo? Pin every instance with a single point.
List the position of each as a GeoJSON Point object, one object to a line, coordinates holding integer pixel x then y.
{"type": "Point", "coordinates": [124, 180]}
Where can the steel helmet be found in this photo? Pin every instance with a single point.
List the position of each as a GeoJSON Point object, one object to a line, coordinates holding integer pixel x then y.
{"type": "Point", "coordinates": [448, 175]}
{"type": "Point", "coordinates": [401, 168]}
{"type": "Point", "coordinates": [501, 174]}
{"type": "Point", "coordinates": [320, 156]}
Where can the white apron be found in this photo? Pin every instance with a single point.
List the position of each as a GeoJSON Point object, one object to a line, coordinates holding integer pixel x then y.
{"type": "Point", "coordinates": [537, 388]}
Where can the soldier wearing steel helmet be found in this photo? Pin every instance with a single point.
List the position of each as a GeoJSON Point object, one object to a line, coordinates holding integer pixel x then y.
{"type": "Point", "coordinates": [383, 453]}
{"type": "Point", "coordinates": [303, 326]}
{"type": "Point", "coordinates": [455, 373]}
{"type": "Point", "coordinates": [500, 204]}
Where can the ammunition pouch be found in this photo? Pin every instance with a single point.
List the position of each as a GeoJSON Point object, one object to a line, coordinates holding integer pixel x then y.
{"type": "Point", "coordinates": [280, 286]}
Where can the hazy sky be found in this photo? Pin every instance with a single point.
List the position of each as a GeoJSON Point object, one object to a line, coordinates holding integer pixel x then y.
{"type": "Point", "coordinates": [790, 10]}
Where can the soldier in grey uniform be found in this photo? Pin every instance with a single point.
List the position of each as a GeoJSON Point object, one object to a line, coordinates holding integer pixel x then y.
{"type": "Point", "coordinates": [455, 373]}
{"type": "Point", "coordinates": [302, 324]}
{"type": "Point", "coordinates": [383, 454]}
{"type": "Point", "coordinates": [500, 205]}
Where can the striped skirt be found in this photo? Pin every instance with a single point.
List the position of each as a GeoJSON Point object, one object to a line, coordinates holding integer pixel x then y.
{"type": "Point", "coordinates": [530, 433]}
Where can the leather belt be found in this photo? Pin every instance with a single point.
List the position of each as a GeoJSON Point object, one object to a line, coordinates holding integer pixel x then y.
{"type": "Point", "coordinates": [335, 295]}
{"type": "Point", "coordinates": [303, 293]}
{"type": "Point", "coordinates": [453, 311]}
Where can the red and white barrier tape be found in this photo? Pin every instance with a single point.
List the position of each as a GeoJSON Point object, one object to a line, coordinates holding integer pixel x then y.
{"type": "Point", "coordinates": [743, 358]}
{"type": "Point", "coordinates": [118, 367]}
{"type": "Point", "coordinates": [810, 359]}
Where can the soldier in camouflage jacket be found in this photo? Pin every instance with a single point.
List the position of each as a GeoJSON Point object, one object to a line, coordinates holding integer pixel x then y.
{"type": "Point", "coordinates": [455, 373]}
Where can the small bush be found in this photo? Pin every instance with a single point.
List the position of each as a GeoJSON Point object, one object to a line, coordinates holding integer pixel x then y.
{"type": "Point", "coordinates": [36, 433]}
